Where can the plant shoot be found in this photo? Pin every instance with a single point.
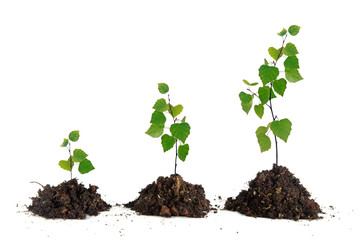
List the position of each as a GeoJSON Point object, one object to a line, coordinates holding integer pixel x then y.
{"type": "Point", "coordinates": [179, 129]}
{"type": "Point", "coordinates": [78, 156]}
{"type": "Point", "coordinates": [271, 83]}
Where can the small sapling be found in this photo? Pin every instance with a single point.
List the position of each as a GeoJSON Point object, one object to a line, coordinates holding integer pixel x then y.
{"type": "Point", "coordinates": [79, 156]}
{"type": "Point", "coordinates": [179, 128]}
{"type": "Point", "coordinates": [272, 83]}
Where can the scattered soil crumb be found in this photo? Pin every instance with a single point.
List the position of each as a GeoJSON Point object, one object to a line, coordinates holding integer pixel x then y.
{"type": "Point", "coordinates": [275, 193]}
{"type": "Point", "coordinates": [171, 196]}
{"type": "Point", "coordinates": [68, 200]}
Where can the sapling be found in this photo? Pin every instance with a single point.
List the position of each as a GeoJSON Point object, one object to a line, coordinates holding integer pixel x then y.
{"type": "Point", "coordinates": [78, 156]}
{"type": "Point", "coordinates": [272, 83]}
{"type": "Point", "coordinates": [179, 128]}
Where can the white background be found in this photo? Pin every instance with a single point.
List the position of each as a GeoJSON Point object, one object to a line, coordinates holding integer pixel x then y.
{"type": "Point", "coordinates": [94, 66]}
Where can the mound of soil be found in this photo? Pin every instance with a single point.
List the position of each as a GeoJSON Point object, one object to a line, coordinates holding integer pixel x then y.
{"type": "Point", "coordinates": [171, 196]}
{"type": "Point", "coordinates": [68, 200]}
{"type": "Point", "coordinates": [275, 193]}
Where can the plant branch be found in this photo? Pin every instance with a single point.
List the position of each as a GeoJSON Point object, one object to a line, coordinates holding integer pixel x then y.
{"type": "Point", "coordinates": [71, 160]}
{"type": "Point", "coordinates": [256, 95]}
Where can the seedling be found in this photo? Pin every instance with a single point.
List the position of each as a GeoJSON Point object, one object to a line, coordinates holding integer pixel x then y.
{"type": "Point", "coordinates": [79, 156]}
{"type": "Point", "coordinates": [271, 82]}
{"type": "Point", "coordinates": [179, 129]}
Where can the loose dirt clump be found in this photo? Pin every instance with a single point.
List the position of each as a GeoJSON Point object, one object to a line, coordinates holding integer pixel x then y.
{"type": "Point", "coordinates": [68, 200]}
{"type": "Point", "coordinates": [171, 196]}
{"type": "Point", "coordinates": [275, 193]}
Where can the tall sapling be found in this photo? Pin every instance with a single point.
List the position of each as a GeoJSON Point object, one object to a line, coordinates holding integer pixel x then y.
{"type": "Point", "coordinates": [79, 156]}
{"type": "Point", "coordinates": [179, 129]}
{"type": "Point", "coordinates": [271, 82]}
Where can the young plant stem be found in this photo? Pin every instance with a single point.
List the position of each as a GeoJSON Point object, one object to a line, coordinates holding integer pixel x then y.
{"type": "Point", "coordinates": [174, 121]}
{"type": "Point", "coordinates": [270, 100]}
{"type": "Point", "coordinates": [70, 162]}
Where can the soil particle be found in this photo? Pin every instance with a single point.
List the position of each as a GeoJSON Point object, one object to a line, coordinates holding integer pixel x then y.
{"type": "Point", "coordinates": [275, 193]}
{"type": "Point", "coordinates": [68, 200]}
{"type": "Point", "coordinates": [171, 196]}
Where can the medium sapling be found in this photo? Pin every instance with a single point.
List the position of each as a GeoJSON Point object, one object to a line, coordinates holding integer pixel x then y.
{"type": "Point", "coordinates": [79, 156]}
{"type": "Point", "coordinates": [179, 129]}
{"type": "Point", "coordinates": [272, 83]}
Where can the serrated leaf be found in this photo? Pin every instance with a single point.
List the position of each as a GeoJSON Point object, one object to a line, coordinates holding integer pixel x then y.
{"type": "Point", "coordinates": [268, 74]}
{"type": "Point", "coordinates": [180, 131]}
{"type": "Point", "coordinates": [85, 166]}
{"type": "Point", "coordinates": [158, 118]}
{"type": "Point", "coordinates": [245, 97]}
{"type": "Point", "coordinates": [250, 84]}
{"type": "Point", "coordinates": [265, 93]}
{"type": "Point", "coordinates": [293, 75]}
{"type": "Point", "coordinates": [163, 88]}
{"type": "Point", "coordinates": [79, 155]}
{"type": "Point", "coordinates": [264, 142]}
{"type": "Point", "coordinates": [160, 105]}
{"type": "Point", "coordinates": [282, 32]}
{"type": "Point", "coordinates": [167, 142]}
{"type": "Point", "coordinates": [259, 110]}
{"type": "Point", "coordinates": [74, 136]}
{"type": "Point", "coordinates": [262, 130]}
{"type": "Point", "coordinates": [293, 30]}
{"type": "Point", "coordinates": [291, 62]}
{"type": "Point", "coordinates": [65, 143]}
{"type": "Point", "coordinates": [155, 130]}
{"type": "Point", "coordinates": [281, 128]}
{"type": "Point", "coordinates": [246, 106]}
{"type": "Point", "coordinates": [279, 86]}
{"type": "Point", "coordinates": [65, 165]}
{"type": "Point", "coordinates": [183, 151]}
{"type": "Point", "coordinates": [183, 119]}
{"type": "Point", "coordinates": [274, 53]}
{"type": "Point", "coordinates": [176, 110]}
{"type": "Point", "coordinates": [290, 50]}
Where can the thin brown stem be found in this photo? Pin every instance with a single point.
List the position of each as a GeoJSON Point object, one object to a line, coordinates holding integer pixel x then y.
{"type": "Point", "coordinates": [174, 121]}
{"type": "Point", "coordinates": [37, 183]}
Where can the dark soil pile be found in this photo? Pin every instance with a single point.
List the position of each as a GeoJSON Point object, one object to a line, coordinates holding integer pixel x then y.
{"type": "Point", "coordinates": [171, 196]}
{"type": "Point", "coordinates": [275, 193]}
{"type": "Point", "coordinates": [68, 200]}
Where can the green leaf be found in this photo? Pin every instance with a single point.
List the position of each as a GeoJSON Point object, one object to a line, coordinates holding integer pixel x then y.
{"type": "Point", "coordinates": [167, 142]}
{"type": "Point", "coordinates": [259, 110]}
{"type": "Point", "coordinates": [79, 155]}
{"type": "Point", "coordinates": [74, 136]}
{"type": "Point", "coordinates": [245, 97]}
{"type": "Point", "coordinates": [163, 88]}
{"type": "Point", "coordinates": [180, 131]}
{"type": "Point", "coordinates": [268, 74]}
{"type": "Point", "coordinates": [158, 118]}
{"type": "Point", "coordinates": [155, 130]}
{"type": "Point", "coordinates": [246, 106]}
{"type": "Point", "coordinates": [264, 142]}
{"type": "Point", "coordinates": [264, 94]}
{"type": "Point", "coordinates": [183, 151]}
{"type": "Point", "coordinates": [293, 75]}
{"type": "Point", "coordinates": [250, 84]}
{"type": "Point", "coordinates": [280, 86]}
{"type": "Point", "coordinates": [184, 119]}
{"type": "Point", "coordinates": [65, 143]}
{"type": "Point", "coordinates": [176, 110]}
{"type": "Point", "coordinates": [274, 53]}
{"type": "Point", "coordinates": [291, 62]}
{"type": "Point", "coordinates": [282, 32]}
{"type": "Point", "coordinates": [281, 128]}
{"type": "Point", "coordinates": [290, 50]}
{"type": "Point", "coordinates": [85, 166]}
{"type": "Point", "coordinates": [65, 165]}
{"type": "Point", "coordinates": [293, 30]}
{"type": "Point", "coordinates": [160, 105]}
{"type": "Point", "coordinates": [261, 130]}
